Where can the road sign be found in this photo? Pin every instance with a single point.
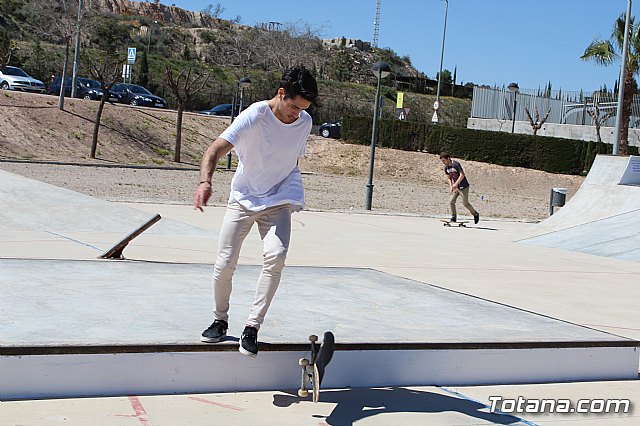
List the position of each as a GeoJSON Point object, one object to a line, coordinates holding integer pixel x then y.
{"type": "Point", "coordinates": [434, 119]}
{"type": "Point", "coordinates": [131, 55]}
{"type": "Point", "coordinates": [436, 105]}
{"type": "Point", "coordinates": [402, 113]}
{"type": "Point", "coordinates": [126, 72]}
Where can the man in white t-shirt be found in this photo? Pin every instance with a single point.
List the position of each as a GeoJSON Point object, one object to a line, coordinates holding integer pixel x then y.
{"type": "Point", "coordinates": [268, 138]}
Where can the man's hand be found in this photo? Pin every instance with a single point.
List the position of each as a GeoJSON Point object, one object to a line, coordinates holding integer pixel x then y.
{"type": "Point", "coordinates": [201, 195]}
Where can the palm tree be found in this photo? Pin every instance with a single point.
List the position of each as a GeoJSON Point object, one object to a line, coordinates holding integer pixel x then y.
{"type": "Point", "coordinates": [604, 52]}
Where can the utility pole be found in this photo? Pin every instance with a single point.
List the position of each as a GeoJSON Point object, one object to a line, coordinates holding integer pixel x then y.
{"type": "Point", "coordinates": [76, 54]}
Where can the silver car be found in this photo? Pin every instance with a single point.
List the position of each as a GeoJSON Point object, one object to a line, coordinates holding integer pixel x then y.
{"type": "Point", "coordinates": [13, 78]}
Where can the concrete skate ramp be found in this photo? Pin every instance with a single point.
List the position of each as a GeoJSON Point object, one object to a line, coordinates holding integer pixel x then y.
{"type": "Point", "coordinates": [31, 205]}
{"type": "Point", "coordinates": [601, 195]}
{"type": "Point", "coordinates": [602, 217]}
{"type": "Point", "coordinates": [95, 328]}
{"type": "Point", "coordinates": [617, 237]}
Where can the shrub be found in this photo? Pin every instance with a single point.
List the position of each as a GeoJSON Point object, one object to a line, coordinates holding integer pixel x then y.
{"type": "Point", "coordinates": [555, 155]}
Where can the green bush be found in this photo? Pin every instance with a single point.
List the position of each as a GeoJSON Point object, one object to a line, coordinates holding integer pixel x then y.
{"type": "Point", "coordinates": [545, 153]}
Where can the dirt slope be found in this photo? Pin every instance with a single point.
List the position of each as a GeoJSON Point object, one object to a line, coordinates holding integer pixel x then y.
{"type": "Point", "coordinates": [33, 128]}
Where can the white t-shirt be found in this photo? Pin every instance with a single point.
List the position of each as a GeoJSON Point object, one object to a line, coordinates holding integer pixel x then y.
{"type": "Point", "coordinates": [268, 152]}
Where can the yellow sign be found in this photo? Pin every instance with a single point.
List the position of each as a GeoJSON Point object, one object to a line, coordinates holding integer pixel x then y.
{"type": "Point", "coordinates": [400, 100]}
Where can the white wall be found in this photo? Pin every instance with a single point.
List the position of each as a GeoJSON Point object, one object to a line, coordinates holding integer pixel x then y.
{"type": "Point", "coordinates": [570, 131]}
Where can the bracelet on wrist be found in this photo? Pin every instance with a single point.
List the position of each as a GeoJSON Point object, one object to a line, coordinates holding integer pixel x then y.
{"type": "Point", "coordinates": [205, 181]}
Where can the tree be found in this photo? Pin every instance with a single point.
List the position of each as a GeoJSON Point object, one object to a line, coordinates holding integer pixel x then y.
{"type": "Point", "coordinates": [184, 87]}
{"type": "Point", "coordinates": [340, 66]}
{"type": "Point", "coordinates": [606, 52]}
{"type": "Point", "coordinates": [296, 43]}
{"type": "Point", "coordinates": [57, 21]}
{"type": "Point", "coordinates": [111, 38]}
{"type": "Point", "coordinates": [598, 119]}
{"type": "Point", "coordinates": [446, 76]}
{"type": "Point", "coordinates": [537, 123]}
{"type": "Point", "coordinates": [7, 46]}
{"type": "Point", "coordinates": [213, 11]}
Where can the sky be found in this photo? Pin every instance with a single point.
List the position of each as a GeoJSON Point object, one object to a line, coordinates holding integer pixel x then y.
{"type": "Point", "coordinates": [492, 42]}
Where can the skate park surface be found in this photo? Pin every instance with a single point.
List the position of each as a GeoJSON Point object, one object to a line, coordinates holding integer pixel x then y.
{"type": "Point", "coordinates": [485, 261]}
{"type": "Point", "coordinates": [602, 217]}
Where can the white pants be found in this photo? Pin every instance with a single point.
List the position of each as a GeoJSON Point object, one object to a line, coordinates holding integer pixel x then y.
{"type": "Point", "coordinates": [274, 225]}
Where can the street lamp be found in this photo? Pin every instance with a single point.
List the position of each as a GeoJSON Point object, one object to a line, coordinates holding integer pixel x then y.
{"type": "Point", "coordinates": [243, 83]}
{"type": "Point", "coordinates": [380, 70]}
{"type": "Point", "coordinates": [444, 31]}
{"type": "Point", "coordinates": [76, 54]}
{"type": "Point", "coordinates": [513, 88]}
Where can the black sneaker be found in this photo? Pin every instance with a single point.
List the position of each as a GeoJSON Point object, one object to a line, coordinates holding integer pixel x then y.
{"type": "Point", "coordinates": [476, 217]}
{"type": "Point", "coordinates": [453, 219]}
{"type": "Point", "coordinates": [215, 332]}
{"type": "Point", "coordinates": [249, 342]}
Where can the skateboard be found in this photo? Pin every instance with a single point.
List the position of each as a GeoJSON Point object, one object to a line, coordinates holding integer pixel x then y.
{"type": "Point", "coordinates": [313, 369]}
{"type": "Point", "coordinates": [461, 223]}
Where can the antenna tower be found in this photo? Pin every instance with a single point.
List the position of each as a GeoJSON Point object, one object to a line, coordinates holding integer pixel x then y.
{"type": "Point", "coordinates": [376, 25]}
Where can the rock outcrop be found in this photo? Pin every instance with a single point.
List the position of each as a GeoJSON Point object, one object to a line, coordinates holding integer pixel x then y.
{"type": "Point", "coordinates": [158, 12]}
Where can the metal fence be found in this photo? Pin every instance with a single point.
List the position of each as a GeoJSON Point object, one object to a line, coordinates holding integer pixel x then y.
{"type": "Point", "coordinates": [563, 107]}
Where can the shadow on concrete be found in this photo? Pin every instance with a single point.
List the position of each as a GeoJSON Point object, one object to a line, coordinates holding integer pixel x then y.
{"type": "Point", "coordinates": [359, 403]}
{"type": "Point", "coordinates": [484, 228]}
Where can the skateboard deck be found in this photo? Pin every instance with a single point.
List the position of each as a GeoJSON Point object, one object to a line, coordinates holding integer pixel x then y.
{"type": "Point", "coordinates": [313, 370]}
{"type": "Point", "coordinates": [459, 224]}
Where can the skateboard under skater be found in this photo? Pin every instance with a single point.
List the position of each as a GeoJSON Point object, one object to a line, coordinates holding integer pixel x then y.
{"type": "Point", "coordinates": [460, 224]}
{"type": "Point", "coordinates": [320, 357]}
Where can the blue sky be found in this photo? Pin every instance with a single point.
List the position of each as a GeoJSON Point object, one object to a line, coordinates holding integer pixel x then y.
{"type": "Point", "coordinates": [490, 41]}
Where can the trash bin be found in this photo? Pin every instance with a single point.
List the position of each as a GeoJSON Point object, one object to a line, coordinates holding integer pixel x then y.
{"type": "Point", "coordinates": [557, 199]}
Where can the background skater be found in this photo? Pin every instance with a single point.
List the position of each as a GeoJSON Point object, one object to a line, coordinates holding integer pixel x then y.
{"type": "Point", "coordinates": [458, 185]}
{"type": "Point", "coordinates": [268, 138]}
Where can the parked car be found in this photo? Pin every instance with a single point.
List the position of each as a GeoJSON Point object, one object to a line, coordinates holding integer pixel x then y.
{"type": "Point", "coordinates": [133, 94]}
{"type": "Point", "coordinates": [85, 88]}
{"type": "Point", "coordinates": [222, 109]}
{"type": "Point", "coordinates": [14, 78]}
{"type": "Point", "coordinates": [331, 129]}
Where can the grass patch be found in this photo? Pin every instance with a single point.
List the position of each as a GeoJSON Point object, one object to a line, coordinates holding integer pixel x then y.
{"type": "Point", "coordinates": [160, 151]}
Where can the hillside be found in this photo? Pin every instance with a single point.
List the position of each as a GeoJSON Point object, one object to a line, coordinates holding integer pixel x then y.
{"type": "Point", "coordinates": [34, 130]}
{"type": "Point", "coordinates": [167, 37]}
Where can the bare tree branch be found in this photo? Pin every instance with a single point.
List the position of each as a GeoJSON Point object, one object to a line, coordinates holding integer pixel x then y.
{"type": "Point", "coordinates": [183, 89]}
{"type": "Point", "coordinates": [535, 124]}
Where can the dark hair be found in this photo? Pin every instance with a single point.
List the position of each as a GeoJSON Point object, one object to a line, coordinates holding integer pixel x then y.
{"type": "Point", "coordinates": [444, 155]}
{"type": "Point", "coordinates": [298, 81]}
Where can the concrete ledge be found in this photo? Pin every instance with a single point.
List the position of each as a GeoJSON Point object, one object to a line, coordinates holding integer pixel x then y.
{"type": "Point", "coordinates": [63, 376]}
{"type": "Point", "coordinates": [288, 347]}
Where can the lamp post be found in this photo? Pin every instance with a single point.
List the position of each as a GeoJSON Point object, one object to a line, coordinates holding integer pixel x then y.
{"type": "Point", "coordinates": [444, 31]}
{"type": "Point", "coordinates": [76, 53]}
{"type": "Point", "coordinates": [243, 83]}
{"type": "Point", "coordinates": [380, 70]}
{"type": "Point", "coordinates": [513, 88]}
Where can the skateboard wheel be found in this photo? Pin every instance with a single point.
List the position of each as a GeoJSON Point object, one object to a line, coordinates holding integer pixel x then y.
{"type": "Point", "coordinates": [303, 362]}
{"type": "Point", "coordinates": [313, 338]}
{"type": "Point", "coordinates": [303, 393]}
